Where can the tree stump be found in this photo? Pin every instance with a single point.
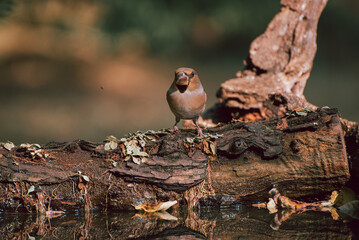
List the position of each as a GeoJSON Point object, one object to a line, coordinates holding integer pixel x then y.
{"type": "Point", "coordinates": [277, 68]}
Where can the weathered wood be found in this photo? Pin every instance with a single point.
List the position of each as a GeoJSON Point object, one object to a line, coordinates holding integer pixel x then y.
{"type": "Point", "coordinates": [309, 157]}
{"type": "Point", "coordinates": [174, 171]}
{"type": "Point", "coordinates": [277, 68]}
{"type": "Point", "coordinates": [352, 146]}
{"type": "Point", "coordinates": [302, 154]}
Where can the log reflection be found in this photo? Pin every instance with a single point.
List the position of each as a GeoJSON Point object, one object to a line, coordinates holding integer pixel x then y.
{"type": "Point", "coordinates": [230, 223]}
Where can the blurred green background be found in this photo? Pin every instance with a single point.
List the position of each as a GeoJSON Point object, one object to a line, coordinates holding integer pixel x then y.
{"type": "Point", "coordinates": [87, 69]}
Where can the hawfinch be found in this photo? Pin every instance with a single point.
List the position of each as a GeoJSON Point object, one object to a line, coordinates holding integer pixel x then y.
{"type": "Point", "coordinates": [186, 97]}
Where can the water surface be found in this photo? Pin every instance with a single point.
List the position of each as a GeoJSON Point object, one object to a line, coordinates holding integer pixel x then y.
{"type": "Point", "coordinates": [232, 223]}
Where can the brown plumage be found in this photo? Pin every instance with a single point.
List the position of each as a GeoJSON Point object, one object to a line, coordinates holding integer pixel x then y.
{"type": "Point", "coordinates": [186, 97]}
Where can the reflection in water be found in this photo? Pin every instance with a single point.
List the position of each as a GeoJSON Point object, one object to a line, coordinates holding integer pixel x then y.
{"type": "Point", "coordinates": [230, 223]}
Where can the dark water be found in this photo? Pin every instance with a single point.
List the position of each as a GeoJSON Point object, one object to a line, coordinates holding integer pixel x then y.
{"type": "Point", "coordinates": [234, 223]}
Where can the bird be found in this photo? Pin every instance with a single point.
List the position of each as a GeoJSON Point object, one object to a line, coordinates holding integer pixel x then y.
{"type": "Point", "coordinates": [186, 97]}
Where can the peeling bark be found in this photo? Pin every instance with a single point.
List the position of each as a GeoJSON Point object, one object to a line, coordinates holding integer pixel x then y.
{"type": "Point", "coordinates": [277, 68]}
{"type": "Point", "coordinates": [302, 154]}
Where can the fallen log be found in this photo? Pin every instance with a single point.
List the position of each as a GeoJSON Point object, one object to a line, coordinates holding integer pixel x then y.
{"type": "Point", "coordinates": [302, 154]}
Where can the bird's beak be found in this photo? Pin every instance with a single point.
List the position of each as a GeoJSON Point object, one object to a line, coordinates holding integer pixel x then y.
{"type": "Point", "coordinates": [182, 81]}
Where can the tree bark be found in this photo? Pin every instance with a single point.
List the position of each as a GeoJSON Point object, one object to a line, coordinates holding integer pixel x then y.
{"type": "Point", "coordinates": [302, 154]}
{"type": "Point", "coordinates": [277, 68]}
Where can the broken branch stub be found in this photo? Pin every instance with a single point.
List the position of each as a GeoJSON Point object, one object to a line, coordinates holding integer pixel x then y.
{"type": "Point", "coordinates": [277, 68]}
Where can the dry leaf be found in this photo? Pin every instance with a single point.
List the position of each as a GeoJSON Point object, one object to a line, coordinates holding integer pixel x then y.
{"type": "Point", "coordinates": [162, 206]}
{"type": "Point", "coordinates": [86, 178]}
{"type": "Point", "coordinates": [136, 160]}
{"type": "Point", "coordinates": [333, 197]}
{"type": "Point", "coordinates": [206, 147]}
{"type": "Point", "coordinates": [334, 213]}
{"type": "Point", "coordinates": [53, 214]}
{"type": "Point", "coordinates": [213, 146]}
{"type": "Point", "coordinates": [110, 146]}
{"type": "Point", "coordinates": [31, 237]}
{"type": "Point", "coordinates": [133, 149]}
{"type": "Point", "coordinates": [31, 189]}
{"type": "Point", "coordinates": [111, 138]}
{"type": "Point", "coordinates": [299, 113]}
{"type": "Point", "coordinates": [272, 206]}
{"type": "Point", "coordinates": [8, 145]}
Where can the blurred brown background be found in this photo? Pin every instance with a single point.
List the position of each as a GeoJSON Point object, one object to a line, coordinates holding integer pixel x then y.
{"type": "Point", "coordinates": [89, 69]}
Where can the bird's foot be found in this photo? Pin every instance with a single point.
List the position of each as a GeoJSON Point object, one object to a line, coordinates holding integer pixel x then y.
{"type": "Point", "coordinates": [175, 129]}
{"type": "Point", "coordinates": [199, 132]}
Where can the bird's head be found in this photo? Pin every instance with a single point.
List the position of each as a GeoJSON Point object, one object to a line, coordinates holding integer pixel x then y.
{"type": "Point", "coordinates": [184, 77]}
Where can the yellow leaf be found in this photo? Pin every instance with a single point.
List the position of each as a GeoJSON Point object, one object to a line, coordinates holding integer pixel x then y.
{"type": "Point", "coordinates": [162, 206]}
{"type": "Point", "coordinates": [272, 206]}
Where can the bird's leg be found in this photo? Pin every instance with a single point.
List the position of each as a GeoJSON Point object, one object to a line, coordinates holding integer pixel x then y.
{"type": "Point", "coordinates": [199, 130]}
{"type": "Point", "coordinates": [175, 128]}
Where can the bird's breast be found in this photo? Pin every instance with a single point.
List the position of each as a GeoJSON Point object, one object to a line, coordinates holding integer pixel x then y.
{"type": "Point", "coordinates": [187, 105]}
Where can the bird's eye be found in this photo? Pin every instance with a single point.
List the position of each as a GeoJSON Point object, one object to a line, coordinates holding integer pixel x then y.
{"type": "Point", "coordinates": [191, 75]}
